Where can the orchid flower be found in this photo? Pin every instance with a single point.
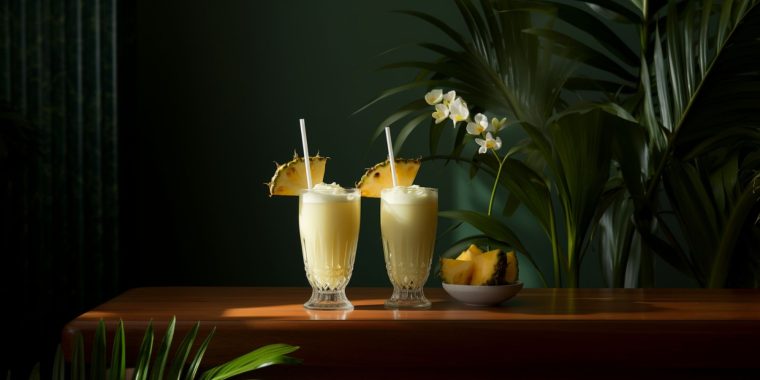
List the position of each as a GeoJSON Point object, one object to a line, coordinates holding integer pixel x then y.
{"type": "Point", "coordinates": [434, 97]}
{"type": "Point", "coordinates": [497, 125]}
{"type": "Point", "coordinates": [458, 110]}
{"type": "Point", "coordinates": [479, 126]}
{"type": "Point", "coordinates": [441, 113]}
{"type": "Point", "coordinates": [449, 97]}
{"type": "Point", "coordinates": [488, 143]}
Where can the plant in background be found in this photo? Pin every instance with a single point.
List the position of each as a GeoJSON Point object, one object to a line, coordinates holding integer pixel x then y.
{"type": "Point", "coordinates": [157, 366]}
{"type": "Point", "coordinates": [634, 148]}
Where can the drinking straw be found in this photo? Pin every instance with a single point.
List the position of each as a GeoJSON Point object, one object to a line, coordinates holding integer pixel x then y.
{"type": "Point", "coordinates": [390, 156]}
{"type": "Point", "coordinates": [306, 161]}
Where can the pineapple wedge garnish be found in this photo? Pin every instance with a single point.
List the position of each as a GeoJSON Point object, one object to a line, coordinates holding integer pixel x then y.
{"type": "Point", "coordinates": [378, 177]}
{"type": "Point", "coordinates": [470, 253]}
{"type": "Point", "coordinates": [290, 177]}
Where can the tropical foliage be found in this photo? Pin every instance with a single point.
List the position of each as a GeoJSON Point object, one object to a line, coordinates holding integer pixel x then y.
{"type": "Point", "coordinates": [641, 126]}
{"type": "Point", "coordinates": [152, 364]}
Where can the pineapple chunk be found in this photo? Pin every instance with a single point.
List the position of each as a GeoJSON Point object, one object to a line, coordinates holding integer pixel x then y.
{"type": "Point", "coordinates": [290, 178]}
{"type": "Point", "coordinates": [470, 253]}
{"type": "Point", "coordinates": [456, 271]}
{"type": "Point", "coordinates": [489, 268]}
{"type": "Point", "coordinates": [378, 177]}
{"type": "Point", "coordinates": [513, 269]}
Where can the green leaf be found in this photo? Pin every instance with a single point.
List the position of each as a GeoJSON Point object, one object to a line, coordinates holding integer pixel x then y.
{"type": "Point", "coordinates": [98, 361]}
{"type": "Point", "coordinates": [740, 215]}
{"type": "Point", "coordinates": [259, 358]}
{"type": "Point", "coordinates": [78, 368]}
{"type": "Point", "coordinates": [511, 205]}
{"type": "Point", "coordinates": [142, 364]}
{"type": "Point", "coordinates": [436, 130]}
{"type": "Point", "coordinates": [410, 108]}
{"type": "Point", "coordinates": [159, 362]}
{"type": "Point", "coordinates": [117, 370]}
{"type": "Point", "coordinates": [407, 130]}
{"type": "Point", "coordinates": [489, 225]}
{"type": "Point", "coordinates": [606, 36]}
{"type": "Point", "coordinates": [35, 375]}
{"type": "Point", "coordinates": [661, 66]}
{"type": "Point", "coordinates": [576, 49]}
{"type": "Point", "coordinates": [59, 366]}
{"type": "Point", "coordinates": [198, 358]}
{"type": "Point", "coordinates": [182, 353]}
{"type": "Point", "coordinates": [443, 26]}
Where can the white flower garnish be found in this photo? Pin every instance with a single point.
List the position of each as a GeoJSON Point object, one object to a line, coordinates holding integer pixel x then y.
{"type": "Point", "coordinates": [441, 113]}
{"type": "Point", "coordinates": [449, 97]}
{"type": "Point", "coordinates": [488, 143]}
{"type": "Point", "coordinates": [434, 97]}
{"type": "Point", "coordinates": [497, 125]}
{"type": "Point", "coordinates": [458, 110]}
{"type": "Point", "coordinates": [479, 126]}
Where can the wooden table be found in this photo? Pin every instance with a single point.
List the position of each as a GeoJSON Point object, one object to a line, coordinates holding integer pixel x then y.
{"type": "Point", "coordinates": [543, 332]}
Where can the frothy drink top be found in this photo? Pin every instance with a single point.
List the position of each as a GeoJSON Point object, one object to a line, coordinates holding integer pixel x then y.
{"type": "Point", "coordinates": [323, 193]}
{"type": "Point", "coordinates": [409, 194]}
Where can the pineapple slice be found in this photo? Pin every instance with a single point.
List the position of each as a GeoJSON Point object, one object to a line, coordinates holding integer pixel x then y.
{"type": "Point", "coordinates": [290, 178]}
{"type": "Point", "coordinates": [456, 271]}
{"type": "Point", "coordinates": [489, 268]}
{"type": "Point", "coordinates": [470, 253]}
{"type": "Point", "coordinates": [513, 269]}
{"type": "Point", "coordinates": [378, 177]}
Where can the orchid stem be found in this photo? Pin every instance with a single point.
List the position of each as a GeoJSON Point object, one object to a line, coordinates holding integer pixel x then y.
{"type": "Point", "coordinates": [496, 180]}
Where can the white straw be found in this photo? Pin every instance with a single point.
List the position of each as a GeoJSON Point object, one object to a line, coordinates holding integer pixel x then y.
{"type": "Point", "coordinates": [390, 156]}
{"type": "Point", "coordinates": [306, 161]}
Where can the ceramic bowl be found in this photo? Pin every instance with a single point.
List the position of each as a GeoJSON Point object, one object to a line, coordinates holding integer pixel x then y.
{"type": "Point", "coordinates": [483, 295]}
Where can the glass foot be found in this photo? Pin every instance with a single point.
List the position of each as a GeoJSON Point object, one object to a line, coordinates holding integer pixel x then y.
{"type": "Point", "coordinates": [328, 300]}
{"type": "Point", "coordinates": [407, 299]}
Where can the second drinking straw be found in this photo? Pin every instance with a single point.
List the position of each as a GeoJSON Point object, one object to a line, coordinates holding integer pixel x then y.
{"type": "Point", "coordinates": [390, 156]}
{"type": "Point", "coordinates": [306, 160]}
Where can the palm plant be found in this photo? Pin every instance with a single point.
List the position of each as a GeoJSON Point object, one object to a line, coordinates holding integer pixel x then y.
{"type": "Point", "coordinates": [640, 151]}
{"type": "Point", "coordinates": [159, 367]}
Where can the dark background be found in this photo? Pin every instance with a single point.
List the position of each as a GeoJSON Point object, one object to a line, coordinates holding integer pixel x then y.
{"type": "Point", "coordinates": [208, 95]}
{"type": "Point", "coordinates": [220, 87]}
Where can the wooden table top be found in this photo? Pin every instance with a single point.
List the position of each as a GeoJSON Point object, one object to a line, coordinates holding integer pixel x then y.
{"type": "Point", "coordinates": [637, 328]}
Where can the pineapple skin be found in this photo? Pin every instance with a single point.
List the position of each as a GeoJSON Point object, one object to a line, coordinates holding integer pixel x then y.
{"type": "Point", "coordinates": [368, 188]}
{"type": "Point", "coordinates": [283, 168]}
{"type": "Point", "coordinates": [490, 268]}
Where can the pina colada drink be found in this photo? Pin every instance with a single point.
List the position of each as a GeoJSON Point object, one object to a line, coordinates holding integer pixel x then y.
{"type": "Point", "coordinates": [328, 220]}
{"type": "Point", "coordinates": [408, 220]}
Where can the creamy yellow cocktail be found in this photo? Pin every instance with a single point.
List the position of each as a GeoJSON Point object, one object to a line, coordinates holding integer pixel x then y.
{"type": "Point", "coordinates": [328, 220]}
{"type": "Point", "coordinates": [408, 220]}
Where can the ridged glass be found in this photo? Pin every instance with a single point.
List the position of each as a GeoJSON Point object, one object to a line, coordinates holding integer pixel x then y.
{"type": "Point", "coordinates": [329, 232]}
{"type": "Point", "coordinates": [408, 225]}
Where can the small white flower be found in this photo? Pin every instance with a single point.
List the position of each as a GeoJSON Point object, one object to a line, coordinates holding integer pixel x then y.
{"type": "Point", "coordinates": [449, 97]}
{"type": "Point", "coordinates": [458, 110]}
{"type": "Point", "coordinates": [479, 126]}
{"type": "Point", "coordinates": [488, 143]}
{"type": "Point", "coordinates": [497, 125]}
{"type": "Point", "coordinates": [434, 97]}
{"type": "Point", "coordinates": [441, 113]}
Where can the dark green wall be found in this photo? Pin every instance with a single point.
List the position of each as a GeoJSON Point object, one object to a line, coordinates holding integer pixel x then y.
{"type": "Point", "coordinates": [218, 89]}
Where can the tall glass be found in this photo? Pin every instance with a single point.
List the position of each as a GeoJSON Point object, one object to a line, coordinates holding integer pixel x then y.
{"type": "Point", "coordinates": [328, 220]}
{"type": "Point", "coordinates": [408, 220]}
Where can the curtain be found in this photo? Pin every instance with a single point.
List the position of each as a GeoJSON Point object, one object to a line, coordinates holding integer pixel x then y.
{"type": "Point", "coordinates": [59, 198]}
